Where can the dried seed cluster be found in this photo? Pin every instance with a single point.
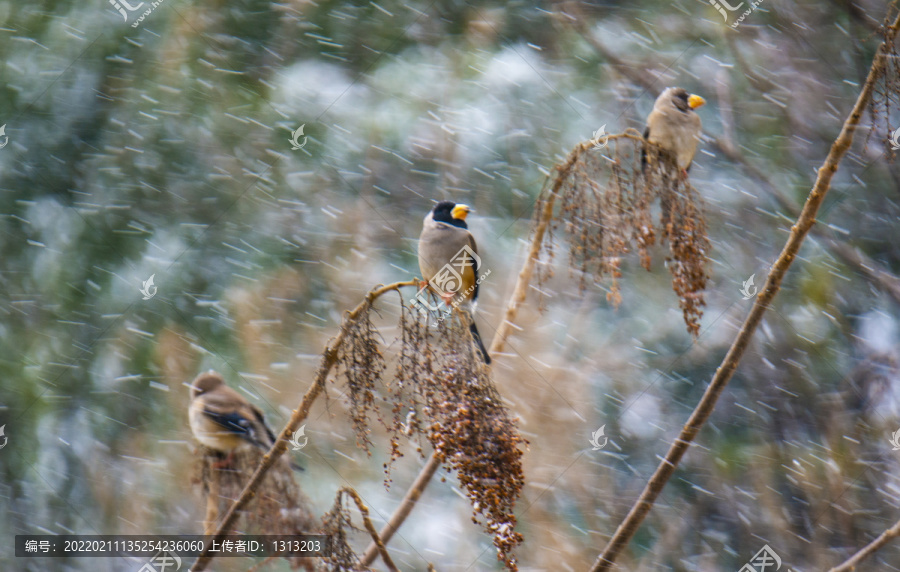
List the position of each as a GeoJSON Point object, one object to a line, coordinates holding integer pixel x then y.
{"type": "Point", "coordinates": [337, 523]}
{"type": "Point", "coordinates": [441, 391]}
{"type": "Point", "coordinates": [279, 506]}
{"type": "Point", "coordinates": [605, 209]}
{"type": "Point", "coordinates": [362, 366]}
{"type": "Point", "coordinates": [447, 391]}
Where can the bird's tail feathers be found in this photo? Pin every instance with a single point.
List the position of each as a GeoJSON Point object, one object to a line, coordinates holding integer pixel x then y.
{"type": "Point", "coordinates": [474, 329]}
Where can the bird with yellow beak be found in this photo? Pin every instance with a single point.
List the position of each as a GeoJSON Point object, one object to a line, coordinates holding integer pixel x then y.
{"type": "Point", "coordinates": [443, 243]}
{"type": "Point", "coordinates": [674, 126]}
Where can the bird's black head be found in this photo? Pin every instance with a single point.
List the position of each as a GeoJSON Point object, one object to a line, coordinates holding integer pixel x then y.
{"type": "Point", "coordinates": [450, 213]}
{"type": "Point", "coordinates": [680, 99]}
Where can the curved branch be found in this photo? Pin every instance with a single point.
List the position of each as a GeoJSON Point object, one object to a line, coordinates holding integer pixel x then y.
{"type": "Point", "coordinates": [364, 511]}
{"type": "Point", "coordinates": [799, 231]}
{"type": "Point", "coordinates": [850, 564]}
{"type": "Point", "coordinates": [329, 357]}
{"type": "Point", "coordinates": [406, 505]}
{"type": "Point", "coordinates": [537, 238]}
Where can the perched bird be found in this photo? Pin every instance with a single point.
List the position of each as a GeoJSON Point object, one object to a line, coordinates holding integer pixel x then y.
{"type": "Point", "coordinates": [448, 259]}
{"type": "Point", "coordinates": [223, 420]}
{"type": "Point", "coordinates": [674, 126]}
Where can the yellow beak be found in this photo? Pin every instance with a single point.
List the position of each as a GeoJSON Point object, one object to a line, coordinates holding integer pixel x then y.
{"type": "Point", "coordinates": [695, 101]}
{"type": "Point", "coordinates": [460, 211]}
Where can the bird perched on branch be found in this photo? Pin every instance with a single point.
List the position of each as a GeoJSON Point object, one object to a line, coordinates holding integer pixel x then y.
{"type": "Point", "coordinates": [223, 420]}
{"type": "Point", "coordinates": [449, 261]}
{"type": "Point", "coordinates": [674, 126]}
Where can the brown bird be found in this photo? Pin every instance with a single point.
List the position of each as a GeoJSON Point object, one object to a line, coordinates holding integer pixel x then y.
{"type": "Point", "coordinates": [448, 259]}
{"type": "Point", "coordinates": [223, 420]}
{"type": "Point", "coordinates": [674, 126]}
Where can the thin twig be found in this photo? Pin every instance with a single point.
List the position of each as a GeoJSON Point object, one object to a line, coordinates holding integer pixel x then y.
{"type": "Point", "coordinates": [869, 549]}
{"type": "Point", "coordinates": [537, 238]}
{"type": "Point", "coordinates": [370, 528]}
{"type": "Point", "coordinates": [212, 503]}
{"type": "Point", "coordinates": [799, 231]}
{"type": "Point", "coordinates": [406, 506]}
{"type": "Point", "coordinates": [329, 357]}
{"type": "Point", "coordinates": [876, 274]}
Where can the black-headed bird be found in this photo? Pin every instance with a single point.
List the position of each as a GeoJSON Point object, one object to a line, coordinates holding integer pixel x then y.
{"type": "Point", "coordinates": [674, 126]}
{"type": "Point", "coordinates": [448, 259]}
{"type": "Point", "coordinates": [223, 420]}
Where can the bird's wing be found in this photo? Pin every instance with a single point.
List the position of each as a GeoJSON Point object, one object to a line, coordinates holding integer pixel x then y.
{"type": "Point", "coordinates": [439, 244]}
{"type": "Point", "coordinates": [262, 423]}
{"type": "Point", "coordinates": [675, 132]}
{"type": "Point", "coordinates": [476, 267]}
{"type": "Point", "coordinates": [644, 148]}
{"type": "Point", "coordinates": [231, 420]}
{"type": "Point", "coordinates": [231, 412]}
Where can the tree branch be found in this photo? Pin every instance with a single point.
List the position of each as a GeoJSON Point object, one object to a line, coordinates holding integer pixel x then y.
{"type": "Point", "coordinates": [537, 238]}
{"type": "Point", "coordinates": [799, 231]}
{"type": "Point", "coordinates": [329, 357]}
{"type": "Point", "coordinates": [850, 564]}
{"type": "Point", "coordinates": [379, 544]}
{"type": "Point", "coordinates": [406, 506]}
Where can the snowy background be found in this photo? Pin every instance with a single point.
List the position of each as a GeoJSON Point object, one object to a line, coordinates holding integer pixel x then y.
{"type": "Point", "coordinates": [164, 150]}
